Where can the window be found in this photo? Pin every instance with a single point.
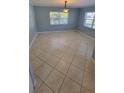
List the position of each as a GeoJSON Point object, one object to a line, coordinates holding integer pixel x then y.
{"type": "Point", "coordinates": [57, 18]}
{"type": "Point", "coordinates": [89, 20]}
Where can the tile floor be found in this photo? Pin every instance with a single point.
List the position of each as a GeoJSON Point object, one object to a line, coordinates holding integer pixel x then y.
{"type": "Point", "coordinates": [62, 63]}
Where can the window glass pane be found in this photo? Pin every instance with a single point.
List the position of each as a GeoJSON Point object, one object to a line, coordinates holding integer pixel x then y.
{"type": "Point", "coordinates": [63, 15]}
{"type": "Point", "coordinates": [89, 15]}
{"type": "Point", "coordinates": [51, 21]}
{"type": "Point", "coordinates": [54, 21]}
{"type": "Point", "coordinates": [63, 18]}
{"type": "Point", "coordinates": [54, 18]}
{"type": "Point", "coordinates": [58, 18]}
{"type": "Point", "coordinates": [53, 14]}
{"type": "Point", "coordinates": [88, 25]}
{"type": "Point", "coordinates": [94, 25]}
{"type": "Point", "coordinates": [64, 21]}
{"type": "Point", "coordinates": [88, 20]}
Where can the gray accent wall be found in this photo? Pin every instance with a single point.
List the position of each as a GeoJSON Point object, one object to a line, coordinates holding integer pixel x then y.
{"type": "Point", "coordinates": [43, 19]}
{"type": "Point", "coordinates": [32, 24]}
{"type": "Point", "coordinates": [88, 31]}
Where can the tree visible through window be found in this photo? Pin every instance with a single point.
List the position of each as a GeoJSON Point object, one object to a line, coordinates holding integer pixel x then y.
{"type": "Point", "coordinates": [89, 20]}
{"type": "Point", "coordinates": [57, 18]}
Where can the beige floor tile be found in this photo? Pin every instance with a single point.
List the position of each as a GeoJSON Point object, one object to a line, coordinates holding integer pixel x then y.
{"type": "Point", "coordinates": [69, 52]}
{"type": "Point", "coordinates": [43, 71]}
{"type": "Point", "coordinates": [67, 58]}
{"type": "Point", "coordinates": [90, 67]}
{"type": "Point", "coordinates": [58, 53]}
{"type": "Point", "coordinates": [70, 86]}
{"type": "Point", "coordinates": [31, 56]}
{"type": "Point", "coordinates": [44, 56]}
{"type": "Point", "coordinates": [35, 63]}
{"type": "Point", "coordinates": [36, 52]}
{"type": "Point", "coordinates": [79, 62]}
{"type": "Point", "coordinates": [39, 82]}
{"type": "Point", "coordinates": [85, 90]}
{"type": "Point", "coordinates": [55, 80]}
{"type": "Point", "coordinates": [53, 60]}
{"type": "Point", "coordinates": [62, 66]}
{"type": "Point", "coordinates": [90, 48]}
{"type": "Point", "coordinates": [83, 47]}
{"type": "Point", "coordinates": [60, 50]}
{"type": "Point", "coordinates": [44, 89]}
{"type": "Point", "coordinates": [75, 74]}
{"type": "Point", "coordinates": [89, 81]}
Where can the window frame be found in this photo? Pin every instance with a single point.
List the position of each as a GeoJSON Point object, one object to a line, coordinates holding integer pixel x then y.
{"type": "Point", "coordinates": [59, 18]}
{"type": "Point", "coordinates": [93, 20]}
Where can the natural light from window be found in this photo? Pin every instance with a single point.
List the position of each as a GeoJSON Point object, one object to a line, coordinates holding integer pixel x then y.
{"type": "Point", "coordinates": [58, 18]}
{"type": "Point", "coordinates": [89, 20]}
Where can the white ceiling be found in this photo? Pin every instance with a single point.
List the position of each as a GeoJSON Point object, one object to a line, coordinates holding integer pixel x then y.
{"type": "Point", "coordinates": [60, 3]}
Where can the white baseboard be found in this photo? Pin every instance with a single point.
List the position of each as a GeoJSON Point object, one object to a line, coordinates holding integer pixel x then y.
{"type": "Point", "coordinates": [33, 40]}
{"type": "Point", "coordinates": [56, 31]}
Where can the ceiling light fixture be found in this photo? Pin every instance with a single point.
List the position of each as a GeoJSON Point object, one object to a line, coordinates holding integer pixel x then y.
{"type": "Point", "coordinates": [66, 10]}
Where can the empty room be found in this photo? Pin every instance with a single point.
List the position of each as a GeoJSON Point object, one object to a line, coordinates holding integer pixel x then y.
{"type": "Point", "coordinates": [62, 46]}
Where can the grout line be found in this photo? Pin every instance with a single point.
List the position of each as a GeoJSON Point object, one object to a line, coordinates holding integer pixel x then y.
{"type": "Point", "coordinates": [82, 81]}
{"type": "Point", "coordinates": [61, 71]}
{"type": "Point", "coordinates": [38, 67]}
{"type": "Point", "coordinates": [45, 63]}
{"type": "Point", "coordinates": [40, 64]}
{"type": "Point", "coordinates": [75, 81]}
{"type": "Point", "coordinates": [49, 87]}
{"type": "Point", "coordinates": [54, 68]}
{"type": "Point", "coordinates": [49, 64]}
{"type": "Point", "coordinates": [78, 67]}
{"type": "Point", "coordinates": [44, 83]}
{"type": "Point", "coordinates": [65, 76]}
{"type": "Point", "coordinates": [48, 76]}
{"type": "Point", "coordinates": [40, 80]}
{"type": "Point", "coordinates": [45, 80]}
{"type": "Point", "coordinates": [62, 83]}
{"type": "Point", "coordinates": [83, 77]}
